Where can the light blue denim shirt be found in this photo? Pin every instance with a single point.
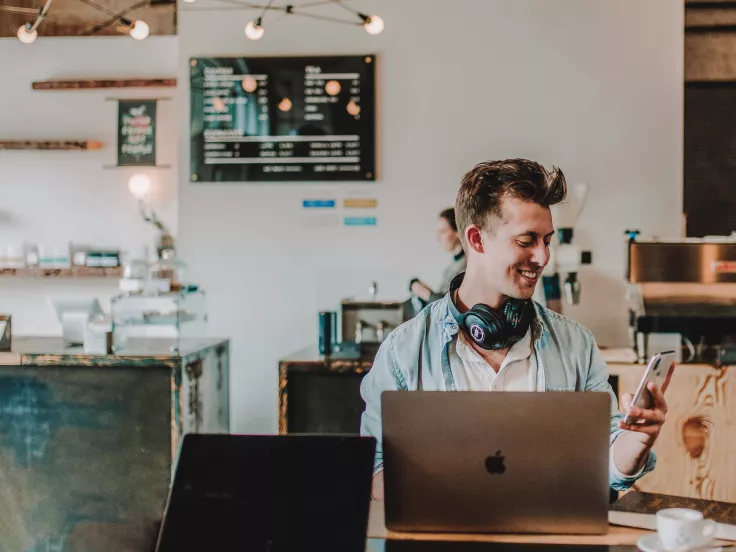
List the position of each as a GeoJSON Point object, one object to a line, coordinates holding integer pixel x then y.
{"type": "Point", "coordinates": [567, 356]}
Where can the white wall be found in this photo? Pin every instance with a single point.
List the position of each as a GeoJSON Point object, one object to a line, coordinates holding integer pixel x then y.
{"type": "Point", "coordinates": [53, 197]}
{"type": "Point", "coordinates": [593, 87]}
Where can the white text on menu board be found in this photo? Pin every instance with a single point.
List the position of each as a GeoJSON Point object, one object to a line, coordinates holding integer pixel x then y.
{"type": "Point", "coordinates": [326, 153]}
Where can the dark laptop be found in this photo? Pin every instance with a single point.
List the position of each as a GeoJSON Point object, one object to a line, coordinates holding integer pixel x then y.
{"type": "Point", "coordinates": [269, 493]}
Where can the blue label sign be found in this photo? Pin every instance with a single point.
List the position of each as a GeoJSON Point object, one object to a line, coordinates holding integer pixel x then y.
{"type": "Point", "coordinates": [318, 203]}
{"type": "Point", "coordinates": [360, 221]}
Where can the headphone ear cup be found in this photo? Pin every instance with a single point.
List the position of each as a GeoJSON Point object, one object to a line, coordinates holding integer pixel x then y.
{"type": "Point", "coordinates": [518, 314]}
{"type": "Point", "coordinates": [485, 327]}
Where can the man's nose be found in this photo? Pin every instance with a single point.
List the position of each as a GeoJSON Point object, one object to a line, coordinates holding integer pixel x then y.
{"type": "Point", "coordinates": [540, 255]}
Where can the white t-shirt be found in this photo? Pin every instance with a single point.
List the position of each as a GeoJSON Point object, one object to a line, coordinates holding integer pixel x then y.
{"type": "Point", "coordinates": [518, 371]}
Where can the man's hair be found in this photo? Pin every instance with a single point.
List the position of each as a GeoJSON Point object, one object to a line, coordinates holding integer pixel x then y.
{"type": "Point", "coordinates": [449, 216]}
{"type": "Point", "coordinates": [486, 185]}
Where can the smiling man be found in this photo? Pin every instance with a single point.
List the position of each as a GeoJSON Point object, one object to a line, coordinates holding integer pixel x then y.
{"type": "Point", "coordinates": [487, 334]}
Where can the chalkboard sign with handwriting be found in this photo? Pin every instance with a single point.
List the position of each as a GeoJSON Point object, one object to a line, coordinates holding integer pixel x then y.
{"type": "Point", "coordinates": [137, 133]}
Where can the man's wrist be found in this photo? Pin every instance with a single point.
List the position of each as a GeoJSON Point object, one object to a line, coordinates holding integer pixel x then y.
{"type": "Point", "coordinates": [634, 448]}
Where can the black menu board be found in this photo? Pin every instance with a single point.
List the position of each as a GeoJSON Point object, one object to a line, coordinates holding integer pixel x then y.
{"type": "Point", "coordinates": [282, 119]}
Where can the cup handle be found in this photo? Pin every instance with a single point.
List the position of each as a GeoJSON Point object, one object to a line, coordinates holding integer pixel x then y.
{"type": "Point", "coordinates": [709, 529]}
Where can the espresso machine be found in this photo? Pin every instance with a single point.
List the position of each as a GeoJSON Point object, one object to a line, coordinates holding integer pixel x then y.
{"type": "Point", "coordinates": [685, 287]}
{"type": "Point", "coordinates": [560, 276]}
{"type": "Point", "coordinates": [366, 323]}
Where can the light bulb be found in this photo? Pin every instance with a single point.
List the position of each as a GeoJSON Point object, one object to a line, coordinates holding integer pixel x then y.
{"type": "Point", "coordinates": [332, 88]}
{"type": "Point", "coordinates": [253, 30]}
{"type": "Point", "coordinates": [249, 84]}
{"type": "Point", "coordinates": [285, 104]}
{"type": "Point", "coordinates": [353, 108]}
{"type": "Point", "coordinates": [26, 36]}
{"type": "Point", "coordinates": [140, 185]}
{"type": "Point", "coordinates": [373, 25]}
{"type": "Point", "coordinates": [140, 30]}
{"type": "Point", "coordinates": [218, 104]}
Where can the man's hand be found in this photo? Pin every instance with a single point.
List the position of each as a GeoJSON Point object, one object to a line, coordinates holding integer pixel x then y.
{"type": "Point", "coordinates": [650, 420]}
{"type": "Point", "coordinates": [421, 290]}
{"type": "Point", "coordinates": [632, 448]}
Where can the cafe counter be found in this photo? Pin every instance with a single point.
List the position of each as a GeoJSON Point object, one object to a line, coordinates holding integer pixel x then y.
{"type": "Point", "coordinates": [88, 442]}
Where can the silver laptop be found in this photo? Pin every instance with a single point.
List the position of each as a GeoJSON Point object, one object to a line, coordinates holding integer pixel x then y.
{"type": "Point", "coordinates": [506, 462]}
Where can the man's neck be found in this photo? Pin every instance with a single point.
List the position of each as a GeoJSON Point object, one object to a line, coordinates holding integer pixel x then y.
{"type": "Point", "coordinates": [474, 290]}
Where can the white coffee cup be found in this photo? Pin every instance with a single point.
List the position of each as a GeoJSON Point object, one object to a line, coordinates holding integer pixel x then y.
{"type": "Point", "coordinates": [681, 529]}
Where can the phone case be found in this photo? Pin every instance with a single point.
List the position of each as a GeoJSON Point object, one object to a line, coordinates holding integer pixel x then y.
{"type": "Point", "coordinates": [657, 373]}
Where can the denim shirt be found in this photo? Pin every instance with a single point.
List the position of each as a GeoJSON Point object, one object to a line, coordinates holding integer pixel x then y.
{"type": "Point", "coordinates": [416, 356]}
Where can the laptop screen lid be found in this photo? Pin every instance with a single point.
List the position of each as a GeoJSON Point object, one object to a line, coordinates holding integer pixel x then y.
{"type": "Point", "coordinates": [496, 462]}
{"type": "Point", "coordinates": [269, 493]}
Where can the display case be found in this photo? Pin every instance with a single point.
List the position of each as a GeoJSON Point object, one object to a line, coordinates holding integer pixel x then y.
{"type": "Point", "coordinates": [177, 315]}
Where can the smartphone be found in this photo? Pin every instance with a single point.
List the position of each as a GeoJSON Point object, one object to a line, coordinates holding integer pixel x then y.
{"type": "Point", "coordinates": [659, 370]}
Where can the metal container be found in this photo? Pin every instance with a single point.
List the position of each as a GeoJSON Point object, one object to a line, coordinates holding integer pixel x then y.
{"type": "Point", "coordinates": [372, 321]}
{"type": "Point", "coordinates": [686, 287]}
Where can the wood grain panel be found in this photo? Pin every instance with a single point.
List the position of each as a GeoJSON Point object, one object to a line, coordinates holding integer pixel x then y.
{"type": "Point", "coordinates": [49, 145]}
{"type": "Point", "coordinates": [109, 83]}
{"type": "Point", "coordinates": [697, 446]}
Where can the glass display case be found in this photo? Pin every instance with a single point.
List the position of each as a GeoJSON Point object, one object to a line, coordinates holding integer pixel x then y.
{"type": "Point", "coordinates": [170, 316]}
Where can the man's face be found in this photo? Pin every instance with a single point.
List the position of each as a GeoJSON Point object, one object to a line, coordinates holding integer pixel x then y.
{"type": "Point", "coordinates": [516, 247]}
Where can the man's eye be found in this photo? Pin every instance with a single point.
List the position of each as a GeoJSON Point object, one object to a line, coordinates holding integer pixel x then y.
{"type": "Point", "coordinates": [525, 243]}
{"type": "Point", "coordinates": [546, 244]}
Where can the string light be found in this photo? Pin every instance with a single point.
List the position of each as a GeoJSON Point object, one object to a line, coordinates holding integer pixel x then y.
{"type": "Point", "coordinates": [27, 36]}
{"type": "Point", "coordinates": [372, 23]}
{"type": "Point", "coordinates": [139, 30]}
{"type": "Point", "coordinates": [254, 29]}
{"type": "Point", "coordinates": [27, 33]}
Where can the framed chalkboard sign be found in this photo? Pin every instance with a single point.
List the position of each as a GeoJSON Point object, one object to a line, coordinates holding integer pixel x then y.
{"type": "Point", "coordinates": [283, 119]}
{"type": "Point", "coordinates": [136, 133]}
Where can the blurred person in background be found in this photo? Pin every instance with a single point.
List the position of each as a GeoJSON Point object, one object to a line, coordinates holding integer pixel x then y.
{"type": "Point", "coordinates": [449, 239]}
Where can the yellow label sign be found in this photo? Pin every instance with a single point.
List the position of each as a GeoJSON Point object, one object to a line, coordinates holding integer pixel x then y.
{"type": "Point", "coordinates": [360, 203]}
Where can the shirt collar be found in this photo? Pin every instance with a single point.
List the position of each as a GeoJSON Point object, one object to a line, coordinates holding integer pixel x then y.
{"type": "Point", "coordinates": [520, 350]}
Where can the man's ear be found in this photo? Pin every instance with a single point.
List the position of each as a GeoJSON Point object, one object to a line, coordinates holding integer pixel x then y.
{"type": "Point", "coordinates": [473, 238]}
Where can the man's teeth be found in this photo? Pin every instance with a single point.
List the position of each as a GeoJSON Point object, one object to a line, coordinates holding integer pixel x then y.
{"type": "Point", "coordinates": [529, 274]}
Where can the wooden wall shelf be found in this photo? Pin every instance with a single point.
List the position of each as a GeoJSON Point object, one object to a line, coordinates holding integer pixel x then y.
{"type": "Point", "coordinates": [111, 83]}
{"type": "Point", "coordinates": [74, 272]}
{"type": "Point", "coordinates": [50, 145]}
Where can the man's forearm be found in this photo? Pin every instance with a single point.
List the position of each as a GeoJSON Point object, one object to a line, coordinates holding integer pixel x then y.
{"type": "Point", "coordinates": [629, 453]}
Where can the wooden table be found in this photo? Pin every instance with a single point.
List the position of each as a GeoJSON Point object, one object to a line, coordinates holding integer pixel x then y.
{"type": "Point", "coordinates": [615, 536]}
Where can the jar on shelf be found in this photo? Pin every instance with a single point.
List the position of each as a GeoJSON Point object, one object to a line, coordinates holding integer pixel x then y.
{"type": "Point", "coordinates": [170, 268]}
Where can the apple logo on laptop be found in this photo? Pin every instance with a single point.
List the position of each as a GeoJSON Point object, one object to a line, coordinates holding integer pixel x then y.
{"type": "Point", "coordinates": [495, 463]}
